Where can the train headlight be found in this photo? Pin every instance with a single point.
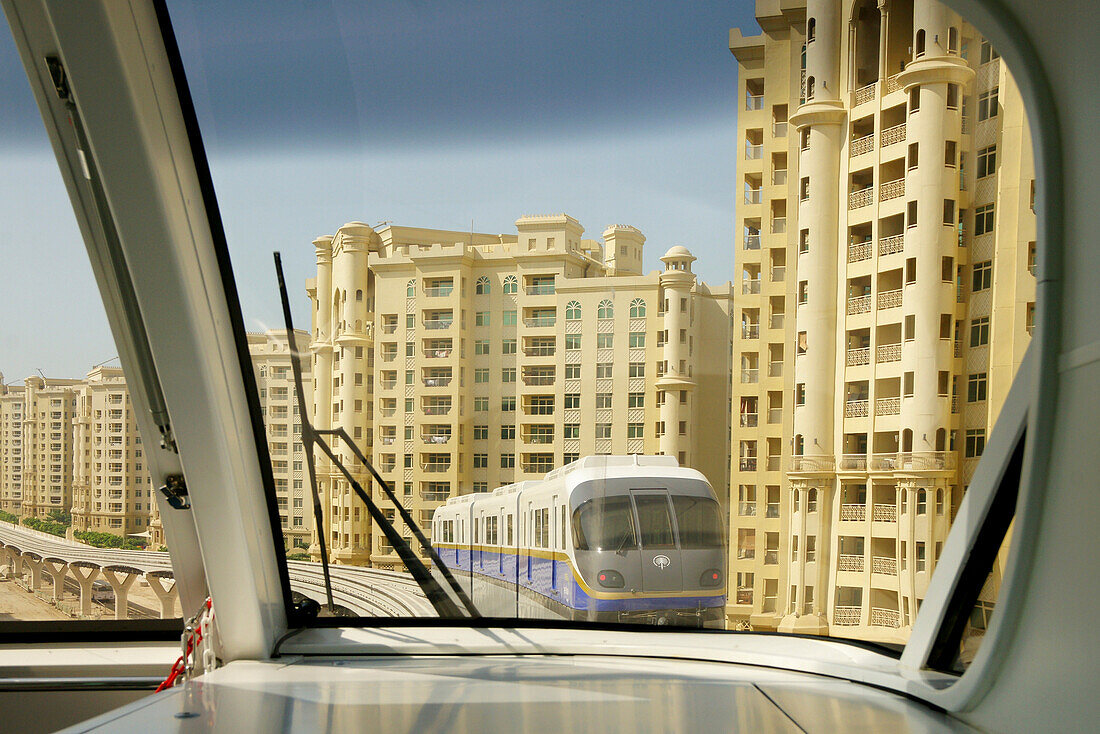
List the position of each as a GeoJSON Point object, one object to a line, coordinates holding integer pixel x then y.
{"type": "Point", "coordinates": [711, 577]}
{"type": "Point", "coordinates": [611, 579]}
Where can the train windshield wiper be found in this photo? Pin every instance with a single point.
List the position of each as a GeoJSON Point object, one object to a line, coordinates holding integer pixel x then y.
{"type": "Point", "coordinates": [311, 437]}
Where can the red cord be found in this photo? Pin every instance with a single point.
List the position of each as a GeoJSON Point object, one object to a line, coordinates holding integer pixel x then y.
{"type": "Point", "coordinates": [180, 664]}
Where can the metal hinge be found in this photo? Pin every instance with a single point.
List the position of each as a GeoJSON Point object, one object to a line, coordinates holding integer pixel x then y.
{"type": "Point", "coordinates": [175, 491]}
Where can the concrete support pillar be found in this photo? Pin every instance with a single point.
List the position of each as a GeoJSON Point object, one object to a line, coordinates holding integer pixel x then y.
{"type": "Point", "coordinates": [120, 579]}
{"type": "Point", "coordinates": [164, 586]}
{"type": "Point", "coordinates": [677, 282]}
{"type": "Point", "coordinates": [57, 571]}
{"type": "Point", "coordinates": [34, 564]}
{"type": "Point", "coordinates": [85, 574]}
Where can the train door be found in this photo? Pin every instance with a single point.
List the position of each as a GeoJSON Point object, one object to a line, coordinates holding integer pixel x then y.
{"type": "Point", "coordinates": [500, 541]}
{"type": "Point", "coordinates": [551, 521]}
{"type": "Point", "coordinates": [661, 568]}
{"type": "Point", "coordinates": [530, 538]}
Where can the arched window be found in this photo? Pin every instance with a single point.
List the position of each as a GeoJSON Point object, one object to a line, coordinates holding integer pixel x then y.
{"type": "Point", "coordinates": [511, 284]}
{"type": "Point", "coordinates": [605, 310]}
{"type": "Point", "coordinates": [359, 295]}
{"type": "Point", "coordinates": [811, 30]}
{"type": "Point", "coordinates": [922, 502]}
{"type": "Point", "coordinates": [953, 40]}
{"type": "Point", "coordinates": [811, 500]}
{"type": "Point", "coordinates": [482, 286]}
{"type": "Point", "coordinates": [939, 501]}
{"type": "Point", "coordinates": [572, 311]}
{"type": "Point", "coordinates": [410, 288]}
{"type": "Point", "coordinates": [637, 308]}
{"type": "Point", "coordinates": [809, 87]}
{"type": "Point", "coordinates": [920, 43]}
{"type": "Point", "coordinates": [799, 445]}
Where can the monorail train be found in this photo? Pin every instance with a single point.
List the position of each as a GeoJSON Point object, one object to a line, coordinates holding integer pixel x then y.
{"type": "Point", "coordinates": [605, 538]}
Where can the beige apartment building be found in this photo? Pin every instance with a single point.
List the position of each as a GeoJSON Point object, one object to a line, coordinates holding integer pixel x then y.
{"type": "Point", "coordinates": [886, 250]}
{"type": "Point", "coordinates": [11, 447]}
{"type": "Point", "coordinates": [464, 361]}
{"type": "Point", "coordinates": [111, 491]}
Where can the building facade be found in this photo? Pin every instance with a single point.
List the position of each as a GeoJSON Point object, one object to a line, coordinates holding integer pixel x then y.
{"type": "Point", "coordinates": [11, 447]}
{"type": "Point", "coordinates": [111, 491]}
{"type": "Point", "coordinates": [886, 251]}
{"type": "Point", "coordinates": [465, 361]}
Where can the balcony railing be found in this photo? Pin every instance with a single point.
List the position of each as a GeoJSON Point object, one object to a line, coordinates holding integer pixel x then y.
{"type": "Point", "coordinates": [892, 189]}
{"type": "Point", "coordinates": [775, 415]}
{"type": "Point", "coordinates": [754, 196]}
{"type": "Point", "coordinates": [865, 94]}
{"type": "Point", "coordinates": [892, 83]}
{"type": "Point", "coordinates": [889, 299]}
{"type": "Point", "coordinates": [775, 321]}
{"type": "Point", "coordinates": [771, 510]}
{"type": "Point", "coordinates": [891, 244]}
{"type": "Point", "coordinates": [849, 563]}
{"type": "Point", "coordinates": [754, 152]}
{"type": "Point", "coordinates": [538, 379]}
{"type": "Point", "coordinates": [750, 376]}
{"type": "Point", "coordinates": [861, 198]}
{"type": "Point", "coordinates": [438, 323]}
{"type": "Point", "coordinates": [853, 512]}
{"type": "Point", "coordinates": [853, 462]}
{"type": "Point", "coordinates": [884, 513]}
{"type": "Point", "coordinates": [779, 225]}
{"type": "Point", "coordinates": [895, 134]}
{"type": "Point", "coordinates": [855, 409]}
{"type": "Point", "coordinates": [887, 406]}
{"type": "Point", "coordinates": [750, 331]}
{"type": "Point", "coordinates": [436, 468]}
{"type": "Point", "coordinates": [779, 272]}
{"type": "Point", "coordinates": [754, 102]}
{"type": "Point", "coordinates": [437, 409]}
{"type": "Point", "coordinates": [439, 291]}
{"type": "Point", "coordinates": [859, 304]}
{"type": "Point", "coordinates": [862, 145]}
{"type": "Point", "coordinates": [540, 351]}
{"type": "Point", "coordinates": [888, 353]}
{"type": "Point", "coordinates": [885, 565]}
{"type": "Point", "coordinates": [812, 463]}
{"type": "Point", "coordinates": [957, 348]}
{"type": "Point", "coordinates": [747, 463]}
{"type": "Point", "coordinates": [860, 356]}
{"type": "Point", "coordinates": [771, 557]}
{"type": "Point", "coordinates": [744, 595]}
{"type": "Point", "coordinates": [435, 438]}
{"type": "Point", "coordinates": [746, 554]}
{"type": "Point", "coordinates": [746, 509]}
{"type": "Point", "coordinates": [387, 384]}
{"type": "Point", "coordinates": [779, 177]}
{"type": "Point", "coordinates": [752, 241]}
{"type": "Point", "coordinates": [859, 251]}
{"type": "Point", "coordinates": [541, 289]}
{"type": "Point", "coordinates": [431, 496]}
{"type": "Point", "coordinates": [926, 460]}
{"type": "Point", "coordinates": [539, 321]}
{"type": "Point", "coordinates": [389, 328]}
{"type": "Point", "coordinates": [846, 616]}
{"type": "Point", "coordinates": [749, 287]}
{"type": "Point", "coordinates": [387, 440]}
{"type": "Point", "coordinates": [779, 129]}
{"type": "Point", "coordinates": [965, 125]}
{"type": "Point", "coordinates": [954, 403]}
{"type": "Point", "coordinates": [538, 438]}
{"type": "Point", "coordinates": [437, 381]}
{"type": "Point", "coordinates": [775, 369]}
{"type": "Point", "coordinates": [885, 617]}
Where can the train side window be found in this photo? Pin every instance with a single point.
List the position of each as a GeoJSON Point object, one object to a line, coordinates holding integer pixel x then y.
{"type": "Point", "coordinates": [562, 527]}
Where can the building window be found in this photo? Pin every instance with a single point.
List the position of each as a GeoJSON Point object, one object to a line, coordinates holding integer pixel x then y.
{"type": "Point", "coordinates": [605, 341]}
{"type": "Point", "coordinates": [481, 375]}
{"type": "Point", "coordinates": [508, 318]}
{"type": "Point", "coordinates": [975, 443]}
{"type": "Point", "coordinates": [481, 433]}
{"type": "Point", "coordinates": [481, 318]}
{"type": "Point", "coordinates": [635, 430]}
{"type": "Point", "coordinates": [987, 161]}
{"type": "Point", "coordinates": [983, 219]}
{"type": "Point", "coordinates": [952, 40]}
{"type": "Point", "coordinates": [603, 400]}
{"type": "Point", "coordinates": [603, 430]}
{"type": "Point", "coordinates": [410, 289]}
{"type": "Point", "coordinates": [481, 346]}
{"type": "Point", "coordinates": [976, 387]}
{"type": "Point", "coordinates": [481, 461]}
{"type": "Point", "coordinates": [511, 284]}
{"type": "Point", "coordinates": [637, 308]}
{"type": "Point", "coordinates": [913, 156]}
{"type": "Point", "coordinates": [481, 288]}
{"type": "Point", "coordinates": [920, 43]}
{"type": "Point", "coordinates": [811, 30]}
{"type": "Point", "coordinates": [604, 369]}
{"type": "Point", "coordinates": [508, 432]}
{"type": "Point", "coordinates": [952, 96]}
{"type": "Point", "coordinates": [508, 374]}
{"type": "Point", "coordinates": [508, 346]}
{"type": "Point", "coordinates": [987, 104]}
{"type": "Point", "coordinates": [911, 214]}
{"type": "Point", "coordinates": [914, 99]}
{"type": "Point", "coordinates": [572, 371]}
{"type": "Point", "coordinates": [572, 400]}
{"type": "Point", "coordinates": [637, 369]}
{"type": "Point", "coordinates": [635, 400]}
{"type": "Point", "coordinates": [949, 212]}
{"type": "Point", "coordinates": [507, 461]}
{"type": "Point", "coordinates": [983, 275]}
{"type": "Point", "coordinates": [571, 430]}
{"type": "Point", "coordinates": [572, 311]}
{"type": "Point", "coordinates": [481, 404]}
{"type": "Point", "coordinates": [572, 341]}
{"type": "Point", "coordinates": [508, 404]}
{"type": "Point", "coordinates": [988, 53]}
{"type": "Point", "coordinates": [605, 310]}
{"type": "Point", "coordinates": [979, 332]}
{"type": "Point", "coordinates": [950, 153]}
{"type": "Point", "coordinates": [637, 339]}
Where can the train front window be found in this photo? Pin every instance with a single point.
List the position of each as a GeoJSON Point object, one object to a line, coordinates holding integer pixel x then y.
{"type": "Point", "coordinates": [606, 523]}
{"type": "Point", "coordinates": [698, 521]}
{"type": "Point", "coordinates": [654, 522]}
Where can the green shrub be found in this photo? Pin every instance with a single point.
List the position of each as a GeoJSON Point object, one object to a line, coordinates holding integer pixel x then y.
{"type": "Point", "coordinates": [108, 540]}
{"type": "Point", "coordinates": [8, 517]}
{"type": "Point", "coordinates": [46, 526]}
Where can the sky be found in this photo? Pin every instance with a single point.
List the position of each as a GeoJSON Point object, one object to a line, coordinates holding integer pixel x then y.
{"type": "Point", "coordinates": [437, 114]}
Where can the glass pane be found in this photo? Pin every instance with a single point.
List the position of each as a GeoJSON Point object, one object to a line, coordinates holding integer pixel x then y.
{"type": "Point", "coordinates": [654, 522]}
{"type": "Point", "coordinates": [74, 475]}
{"type": "Point", "coordinates": [698, 522]}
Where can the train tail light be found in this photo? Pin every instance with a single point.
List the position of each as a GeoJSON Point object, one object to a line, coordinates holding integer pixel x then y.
{"type": "Point", "coordinates": [711, 577]}
{"type": "Point", "coordinates": [611, 579]}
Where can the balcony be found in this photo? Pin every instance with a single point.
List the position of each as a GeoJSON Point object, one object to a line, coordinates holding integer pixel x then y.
{"type": "Point", "coordinates": [884, 513]}
{"type": "Point", "coordinates": [749, 420]}
{"type": "Point", "coordinates": [539, 438]}
{"type": "Point", "coordinates": [540, 321]}
{"type": "Point", "coordinates": [538, 378]}
{"type": "Point", "coordinates": [846, 616]}
{"type": "Point", "coordinates": [747, 463]}
{"type": "Point", "coordinates": [862, 145]}
{"type": "Point", "coordinates": [540, 289]}
{"type": "Point", "coordinates": [853, 462]}
{"type": "Point", "coordinates": [884, 565]}
{"type": "Point", "coordinates": [435, 438]}
{"type": "Point", "coordinates": [441, 381]}
{"type": "Point", "coordinates": [746, 554]}
{"type": "Point", "coordinates": [541, 351]}
{"type": "Point", "coordinates": [387, 384]}
{"type": "Point", "coordinates": [437, 409]}
{"type": "Point", "coordinates": [888, 353]}
{"type": "Point", "coordinates": [861, 198]}
{"type": "Point", "coordinates": [859, 304]}
{"type": "Point", "coordinates": [849, 563]}
{"type": "Point", "coordinates": [859, 251]}
{"type": "Point", "coordinates": [744, 595]}
{"type": "Point", "coordinates": [895, 134]}
{"type": "Point", "coordinates": [855, 409]}
{"type": "Point", "coordinates": [750, 376]}
{"type": "Point", "coordinates": [438, 323]}
{"type": "Point", "coordinates": [754, 102]}
{"type": "Point", "coordinates": [864, 94]}
{"type": "Point", "coordinates": [436, 467]}
{"type": "Point", "coordinates": [887, 406]}
{"type": "Point", "coordinates": [754, 196]}
{"type": "Point", "coordinates": [890, 245]}
{"type": "Point", "coordinates": [892, 189]}
{"type": "Point", "coordinates": [854, 513]}
{"type": "Point", "coordinates": [889, 299]}
{"type": "Point", "coordinates": [752, 241]}
{"type": "Point", "coordinates": [812, 463]}
{"type": "Point", "coordinates": [858, 357]}
{"type": "Point", "coordinates": [749, 287]}
{"type": "Point", "coordinates": [750, 331]}
{"type": "Point", "coordinates": [885, 617]}
{"type": "Point", "coordinates": [437, 353]}
{"type": "Point", "coordinates": [439, 291]}
{"type": "Point", "coordinates": [387, 440]}
{"type": "Point", "coordinates": [926, 460]}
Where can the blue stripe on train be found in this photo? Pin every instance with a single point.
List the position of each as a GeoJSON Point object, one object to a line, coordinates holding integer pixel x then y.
{"type": "Point", "coordinates": [547, 576]}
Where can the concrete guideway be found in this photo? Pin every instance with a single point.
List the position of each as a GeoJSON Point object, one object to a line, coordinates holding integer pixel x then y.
{"type": "Point", "coordinates": [364, 591]}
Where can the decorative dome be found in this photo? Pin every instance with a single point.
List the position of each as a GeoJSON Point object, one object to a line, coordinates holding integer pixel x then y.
{"type": "Point", "coordinates": [677, 252]}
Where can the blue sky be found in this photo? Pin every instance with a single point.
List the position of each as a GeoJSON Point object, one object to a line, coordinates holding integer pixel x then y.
{"type": "Point", "coordinates": [422, 113]}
